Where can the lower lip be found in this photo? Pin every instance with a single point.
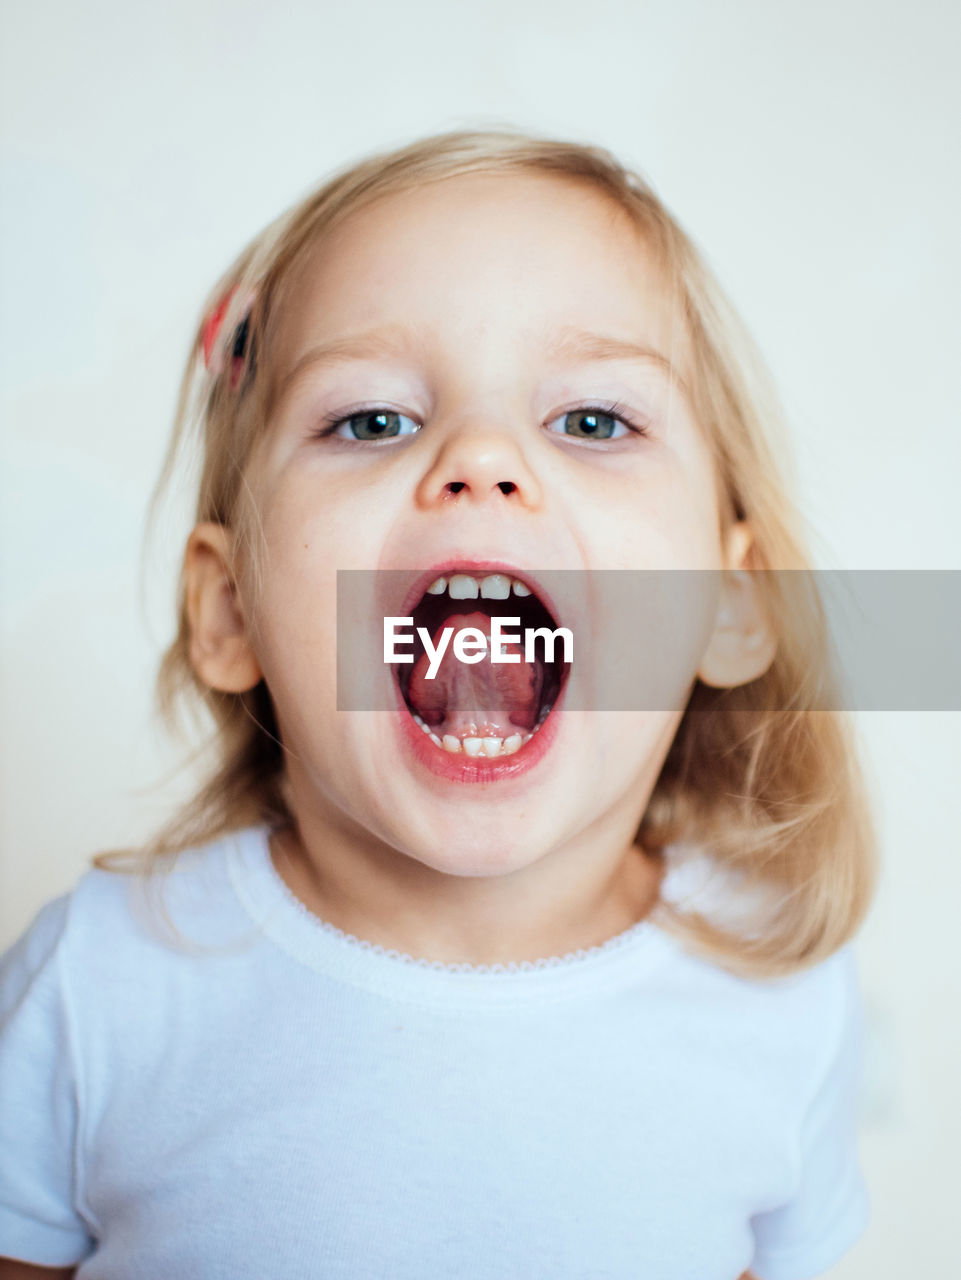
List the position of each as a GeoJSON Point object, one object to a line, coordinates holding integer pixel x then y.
{"type": "Point", "coordinates": [458, 766]}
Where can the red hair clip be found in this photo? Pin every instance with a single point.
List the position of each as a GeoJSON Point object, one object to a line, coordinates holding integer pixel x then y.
{"type": "Point", "coordinates": [215, 352]}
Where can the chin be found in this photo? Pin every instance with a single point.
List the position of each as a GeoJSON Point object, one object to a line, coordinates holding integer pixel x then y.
{"type": "Point", "coordinates": [489, 852]}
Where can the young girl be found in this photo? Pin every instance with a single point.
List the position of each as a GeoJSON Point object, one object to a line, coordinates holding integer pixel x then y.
{"type": "Point", "coordinates": [474, 979]}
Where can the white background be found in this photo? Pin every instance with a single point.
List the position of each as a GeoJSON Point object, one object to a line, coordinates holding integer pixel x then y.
{"type": "Point", "coordinates": [811, 150]}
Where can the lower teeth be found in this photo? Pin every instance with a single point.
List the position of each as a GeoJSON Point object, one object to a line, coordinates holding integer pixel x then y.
{"type": "Point", "coordinates": [489, 747]}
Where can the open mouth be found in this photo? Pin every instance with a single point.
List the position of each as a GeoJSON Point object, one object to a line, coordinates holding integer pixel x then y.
{"type": "Point", "coordinates": [484, 708]}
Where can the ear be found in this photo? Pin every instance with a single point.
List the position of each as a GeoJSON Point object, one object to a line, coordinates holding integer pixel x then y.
{"type": "Point", "coordinates": [220, 652]}
{"type": "Point", "coordinates": [743, 643]}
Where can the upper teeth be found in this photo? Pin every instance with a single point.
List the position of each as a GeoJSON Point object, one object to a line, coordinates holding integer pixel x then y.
{"type": "Point", "coordinates": [461, 586]}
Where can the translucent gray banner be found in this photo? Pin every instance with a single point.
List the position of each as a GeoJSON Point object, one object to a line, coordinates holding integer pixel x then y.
{"type": "Point", "coordinates": [866, 640]}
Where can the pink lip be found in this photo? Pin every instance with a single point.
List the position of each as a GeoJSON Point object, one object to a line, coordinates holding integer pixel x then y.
{"type": "Point", "coordinates": [460, 767]}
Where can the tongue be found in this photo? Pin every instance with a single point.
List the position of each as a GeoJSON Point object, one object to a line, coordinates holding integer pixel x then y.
{"type": "Point", "coordinates": [484, 698]}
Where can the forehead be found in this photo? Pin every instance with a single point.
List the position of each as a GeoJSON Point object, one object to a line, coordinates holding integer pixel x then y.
{"type": "Point", "coordinates": [476, 258]}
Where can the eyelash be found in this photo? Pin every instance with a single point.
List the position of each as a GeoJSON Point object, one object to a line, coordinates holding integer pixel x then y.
{"type": "Point", "coordinates": [613, 409]}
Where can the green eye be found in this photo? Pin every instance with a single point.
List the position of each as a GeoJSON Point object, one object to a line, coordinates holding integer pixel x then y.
{"type": "Point", "coordinates": [593, 424]}
{"type": "Point", "coordinates": [374, 424]}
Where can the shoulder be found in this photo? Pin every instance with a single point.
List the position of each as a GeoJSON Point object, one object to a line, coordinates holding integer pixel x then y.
{"type": "Point", "coordinates": [824, 1207]}
{"type": "Point", "coordinates": [35, 945]}
{"type": "Point", "coordinates": [805, 1012]}
{"type": "Point", "coordinates": [31, 959]}
{"type": "Point", "coordinates": [93, 930]}
{"type": "Point", "coordinates": [797, 1023]}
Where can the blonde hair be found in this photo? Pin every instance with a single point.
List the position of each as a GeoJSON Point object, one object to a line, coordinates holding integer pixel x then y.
{"type": "Point", "coordinates": [768, 785]}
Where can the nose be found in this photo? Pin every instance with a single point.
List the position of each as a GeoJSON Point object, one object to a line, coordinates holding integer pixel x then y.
{"type": "Point", "coordinates": [477, 463]}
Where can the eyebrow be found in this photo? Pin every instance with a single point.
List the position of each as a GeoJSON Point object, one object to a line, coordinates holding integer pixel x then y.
{"type": "Point", "coordinates": [569, 344]}
{"type": "Point", "coordinates": [580, 344]}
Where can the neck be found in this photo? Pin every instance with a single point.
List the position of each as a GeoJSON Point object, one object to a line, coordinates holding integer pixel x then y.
{"type": "Point", "coordinates": [577, 896]}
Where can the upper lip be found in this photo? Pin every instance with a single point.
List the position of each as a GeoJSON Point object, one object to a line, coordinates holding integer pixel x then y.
{"type": "Point", "coordinates": [414, 586]}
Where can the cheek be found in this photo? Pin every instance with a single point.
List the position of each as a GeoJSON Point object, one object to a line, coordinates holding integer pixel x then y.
{"type": "Point", "coordinates": [643, 641]}
{"type": "Point", "coordinates": [312, 528]}
{"type": "Point", "coordinates": [633, 744]}
{"type": "Point", "coordinates": [296, 628]}
{"type": "Point", "coordinates": [661, 520]}
{"type": "Point", "coordinates": [651, 623]}
{"type": "Point", "coordinates": [309, 533]}
{"type": "Point", "coordinates": [295, 614]}
{"type": "Point", "coordinates": [303, 516]}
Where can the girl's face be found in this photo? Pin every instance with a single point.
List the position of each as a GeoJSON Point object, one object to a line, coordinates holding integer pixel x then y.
{"type": "Point", "coordinates": [471, 312]}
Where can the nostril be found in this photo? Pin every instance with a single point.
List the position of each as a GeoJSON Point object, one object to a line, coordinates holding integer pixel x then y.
{"type": "Point", "coordinates": [505, 486]}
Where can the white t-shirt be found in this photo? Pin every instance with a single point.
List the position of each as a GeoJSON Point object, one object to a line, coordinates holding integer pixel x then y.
{"type": "Point", "coordinates": [302, 1104]}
